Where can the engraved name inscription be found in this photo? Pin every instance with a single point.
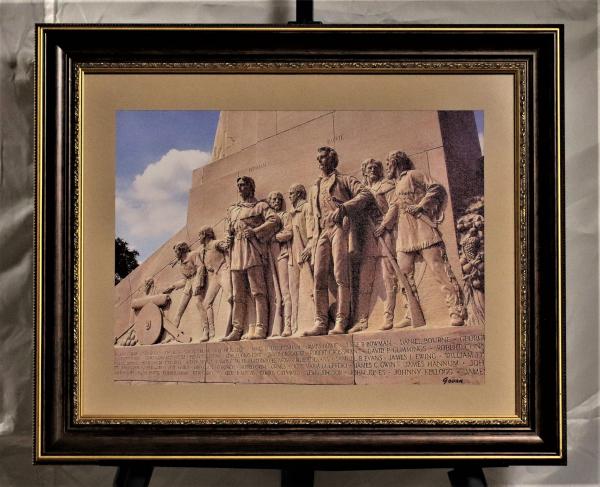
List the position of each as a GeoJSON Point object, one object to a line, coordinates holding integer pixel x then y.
{"type": "Point", "coordinates": [442, 356]}
{"type": "Point", "coordinates": [289, 361]}
{"type": "Point", "coordinates": [446, 356]}
{"type": "Point", "coordinates": [161, 363]}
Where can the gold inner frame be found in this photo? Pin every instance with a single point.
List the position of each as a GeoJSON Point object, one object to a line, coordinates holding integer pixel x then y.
{"type": "Point", "coordinates": [515, 70]}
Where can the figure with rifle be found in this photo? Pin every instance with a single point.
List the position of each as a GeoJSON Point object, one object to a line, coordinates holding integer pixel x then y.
{"type": "Point", "coordinates": [377, 251]}
{"type": "Point", "coordinates": [418, 209]}
{"type": "Point", "coordinates": [250, 223]}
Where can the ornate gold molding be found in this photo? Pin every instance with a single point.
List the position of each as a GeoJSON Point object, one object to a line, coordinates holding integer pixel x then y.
{"type": "Point", "coordinates": [516, 68]}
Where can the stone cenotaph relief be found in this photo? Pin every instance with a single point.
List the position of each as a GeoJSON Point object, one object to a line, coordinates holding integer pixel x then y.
{"type": "Point", "coordinates": [315, 247]}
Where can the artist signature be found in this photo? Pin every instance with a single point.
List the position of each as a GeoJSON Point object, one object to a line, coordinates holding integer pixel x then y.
{"type": "Point", "coordinates": [450, 380]}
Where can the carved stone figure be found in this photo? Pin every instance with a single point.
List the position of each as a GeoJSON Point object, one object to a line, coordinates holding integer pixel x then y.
{"type": "Point", "coordinates": [378, 248]}
{"type": "Point", "coordinates": [470, 228]}
{"type": "Point", "coordinates": [335, 199]}
{"type": "Point", "coordinates": [213, 276]}
{"type": "Point", "coordinates": [250, 223]}
{"type": "Point", "coordinates": [297, 234]}
{"type": "Point", "coordinates": [418, 208]}
{"type": "Point", "coordinates": [187, 266]}
{"type": "Point", "coordinates": [278, 264]}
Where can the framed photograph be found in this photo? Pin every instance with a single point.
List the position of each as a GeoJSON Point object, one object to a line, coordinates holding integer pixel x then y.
{"type": "Point", "coordinates": [329, 244]}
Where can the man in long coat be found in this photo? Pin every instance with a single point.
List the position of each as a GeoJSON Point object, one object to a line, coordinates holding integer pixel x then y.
{"type": "Point", "coordinates": [281, 305]}
{"type": "Point", "coordinates": [335, 200]}
{"type": "Point", "coordinates": [297, 234]}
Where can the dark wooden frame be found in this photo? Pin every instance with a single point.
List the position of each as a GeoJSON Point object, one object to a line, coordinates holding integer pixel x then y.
{"type": "Point", "coordinates": [539, 438]}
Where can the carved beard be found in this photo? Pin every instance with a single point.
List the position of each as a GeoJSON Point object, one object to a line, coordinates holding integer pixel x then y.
{"type": "Point", "coordinates": [245, 194]}
{"type": "Point", "coordinates": [374, 179]}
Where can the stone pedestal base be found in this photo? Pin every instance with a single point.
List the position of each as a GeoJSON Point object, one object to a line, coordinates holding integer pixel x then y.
{"type": "Point", "coordinates": [407, 356]}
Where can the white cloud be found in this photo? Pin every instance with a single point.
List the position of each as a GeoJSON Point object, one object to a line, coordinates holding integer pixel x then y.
{"type": "Point", "coordinates": [481, 141]}
{"type": "Point", "coordinates": [154, 206]}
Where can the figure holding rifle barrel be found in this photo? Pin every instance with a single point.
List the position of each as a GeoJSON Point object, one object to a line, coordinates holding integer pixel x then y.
{"type": "Point", "coordinates": [418, 208]}
{"type": "Point", "coordinates": [378, 251]}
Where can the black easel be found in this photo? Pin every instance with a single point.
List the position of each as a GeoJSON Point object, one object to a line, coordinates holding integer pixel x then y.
{"type": "Point", "coordinates": [139, 475]}
{"type": "Point", "coordinates": [305, 12]}
{"type": "Point", "coordinates": [134, 475]}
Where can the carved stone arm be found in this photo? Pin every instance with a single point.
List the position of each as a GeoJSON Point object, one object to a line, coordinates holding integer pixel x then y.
{"type": "Point", "coordinates": [176, 285]}
{"type": "Point", "coordinates": [285, 235]}
{"type": "Point", "coordinates": [435, 195]}
{"type": "Point", "coordinates": [391, 217]}
{"type": "Point", "coordinates": [271, 225]}
{"type": "Point", "coordinates": [361, 196]}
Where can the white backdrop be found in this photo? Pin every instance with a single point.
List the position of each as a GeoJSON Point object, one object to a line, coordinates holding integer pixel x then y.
{"type": "Point", "coordinates": [16, 220]}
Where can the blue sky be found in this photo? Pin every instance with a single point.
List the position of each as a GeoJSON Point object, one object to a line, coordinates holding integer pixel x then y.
{"type": "Point", "coordinates": [144, 136]}
{"type": "Point", "coordinates": [156, 152]}
{"type": "Point", "coordinates": [479, 116]}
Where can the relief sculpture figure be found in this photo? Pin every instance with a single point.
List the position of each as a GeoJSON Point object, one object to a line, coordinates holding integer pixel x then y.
{"type": "Point", "coordinates": [213, 276]}
{"type": "Point", "coordinates": [278, 264]}
{"type": "Point", "coordinates": [297, 234]}
{"type": "Point", "coordinates": [249, 224]}
{"type": "Point", "coordinates": [335, 199]}
{"type": "Point", "coordinates": [190, 278]}
{"type": "Point", "coordinates": [378, 248]}
{"type": "Point", "coordinates": [418, 208]}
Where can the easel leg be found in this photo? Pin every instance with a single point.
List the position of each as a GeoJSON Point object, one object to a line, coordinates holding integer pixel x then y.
{"type": "Point", "coordinates": [467, 477]}
{"type": "Point", "coordinates": [133, 475]}
{"type": "Point", "coordinates": [297, 478]}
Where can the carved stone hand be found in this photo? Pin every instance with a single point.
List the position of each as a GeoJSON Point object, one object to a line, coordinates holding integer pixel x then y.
{"type": "Point", "coordinates": [338, 215]}
{"type": "Point", "coordinates": [414, 210]}
{"type": "Point", "coordinates": [379, 231]}
{"type": "Point", "coordinates": [305, 255]}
